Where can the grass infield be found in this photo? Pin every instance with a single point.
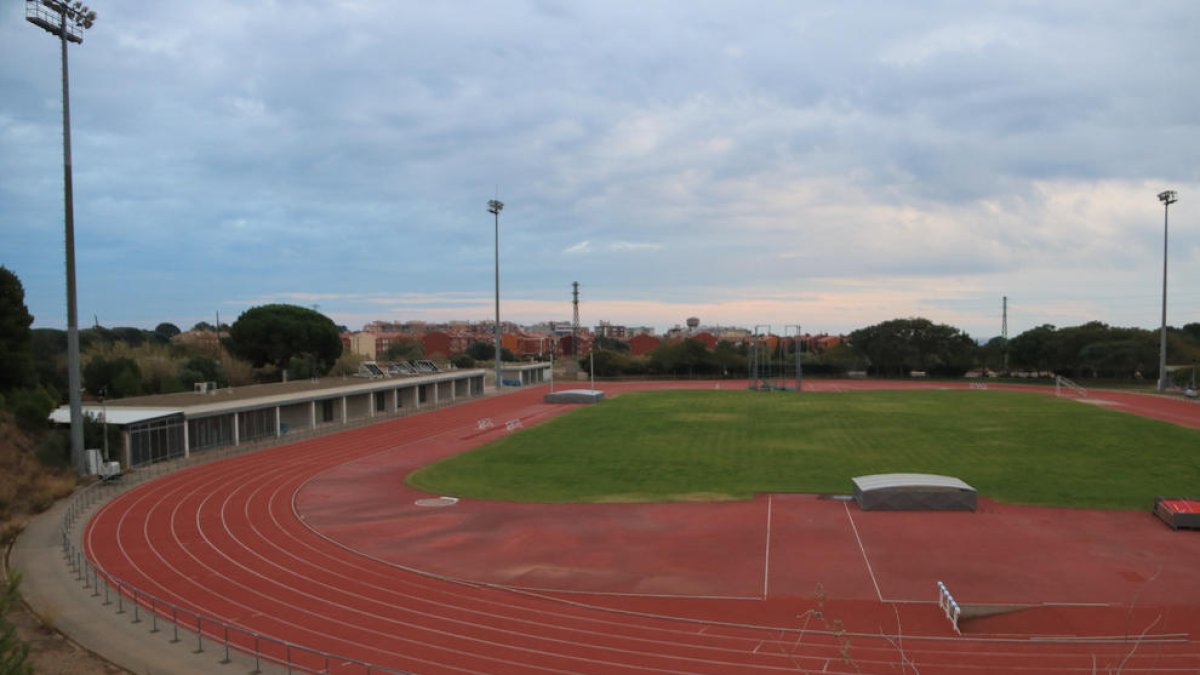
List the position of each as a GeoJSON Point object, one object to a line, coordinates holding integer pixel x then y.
{"type": "Point", "coordinates": [1013, 447]}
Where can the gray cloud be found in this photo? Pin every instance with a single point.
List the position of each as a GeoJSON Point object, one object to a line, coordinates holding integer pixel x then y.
{"type": "Point", "coordinates": [348, 148]}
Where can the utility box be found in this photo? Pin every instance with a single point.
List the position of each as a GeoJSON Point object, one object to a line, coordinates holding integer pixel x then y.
{"type": "Point", "coordinates": [110, 470]}
{"type": "Point", "coordinates": [92, 461]}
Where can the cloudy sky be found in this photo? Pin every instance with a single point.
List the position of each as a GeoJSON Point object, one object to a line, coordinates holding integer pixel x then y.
{"type": "Point", "coordinates": [828, 164]}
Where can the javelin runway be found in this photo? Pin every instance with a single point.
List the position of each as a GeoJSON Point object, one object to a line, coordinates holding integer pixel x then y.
{"type": "Point", "coordinates": [320, 543]}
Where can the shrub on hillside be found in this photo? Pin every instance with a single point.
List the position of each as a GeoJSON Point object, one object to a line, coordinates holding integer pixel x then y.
{"type": "Point", "coordinates": [31, 407]}
{"type": "Point", "coordinates": [54, 450]}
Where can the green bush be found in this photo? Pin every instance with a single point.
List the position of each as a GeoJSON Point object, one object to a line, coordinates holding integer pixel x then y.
{"type": "Point", "coordinates": [54, 450]}
{"type": "Point", "coordinates": [31, 408]}
{"type": "Point", "coordinates": [14, 653]}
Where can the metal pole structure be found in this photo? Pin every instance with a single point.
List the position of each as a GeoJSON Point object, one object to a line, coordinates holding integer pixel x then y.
{"type": "Point", "coordinates": [104, 420]}
{"type": "Point", "coordinates": [494, 207]}
{"type": "Point", "coordinates": [69, 25]}
{"type": "Point", "coordinates": [1167, 197]}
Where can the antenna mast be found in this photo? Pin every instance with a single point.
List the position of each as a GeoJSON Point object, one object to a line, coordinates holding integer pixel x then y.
{"type": "Point", "coordinates": [575, 319]}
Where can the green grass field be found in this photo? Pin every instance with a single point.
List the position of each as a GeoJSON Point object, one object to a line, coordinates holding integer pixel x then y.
{"type": "Point", "coordinates": [669, 446]}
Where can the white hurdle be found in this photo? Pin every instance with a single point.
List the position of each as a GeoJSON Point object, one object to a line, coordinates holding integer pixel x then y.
{"type": "Point", "coordinates": [949, 606]}
{"type": "Point", "coordinates": [1061, 383]}
{"type": "Point", "coordinates": [485, 423]}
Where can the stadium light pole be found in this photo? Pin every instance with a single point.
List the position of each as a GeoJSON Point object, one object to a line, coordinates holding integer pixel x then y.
{"type": "Point", "coordinates": [67, 21]}
{"type": "Point", "coordinates": [494, 207]}
{"type": "Point", "coordinates": [1167, 197]}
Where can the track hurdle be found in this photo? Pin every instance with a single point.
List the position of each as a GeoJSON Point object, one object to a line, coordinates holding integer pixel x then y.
{"type": "Point", "coordinates": [949, 606]}
{"type": "Point", "coordinates": [1062, 384]}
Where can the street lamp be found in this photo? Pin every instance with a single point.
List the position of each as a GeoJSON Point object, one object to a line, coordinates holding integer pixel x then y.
{"type": "Point", "coordinates": [67, 21]}
{"type": "Point", "coordinates": [494, 207]}
{"type": "Point", "coordinates": [1167, 197]}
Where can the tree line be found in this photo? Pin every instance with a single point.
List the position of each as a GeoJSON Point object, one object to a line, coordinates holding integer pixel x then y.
{"type": "Point", "coordinates": [904, 346]}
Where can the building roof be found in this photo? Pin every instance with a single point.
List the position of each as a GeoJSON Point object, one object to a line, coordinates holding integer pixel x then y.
{"type": "Point", "coordinates": [143, 408]}
{"type": "Point", "coordinates": [113, 415]}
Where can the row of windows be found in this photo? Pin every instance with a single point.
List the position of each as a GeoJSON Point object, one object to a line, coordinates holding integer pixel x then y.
{"type": "Point", "coordinates": [156, 440]}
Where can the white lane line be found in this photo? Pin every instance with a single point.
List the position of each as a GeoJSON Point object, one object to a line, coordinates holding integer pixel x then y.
{"type": "Point", "coordinates": [861, 548]}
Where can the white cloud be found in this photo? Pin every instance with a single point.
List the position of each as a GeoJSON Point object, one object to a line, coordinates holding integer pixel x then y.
{"type": "Point", "coordinates": [634, 246]}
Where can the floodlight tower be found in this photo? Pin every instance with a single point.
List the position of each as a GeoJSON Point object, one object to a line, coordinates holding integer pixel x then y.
{"type": "Point", "coordinates": [494, 207]}
{"type": "Point", "coordinates": [1167, 197]}
{"type": "Point", "coordinates": [67, 21]}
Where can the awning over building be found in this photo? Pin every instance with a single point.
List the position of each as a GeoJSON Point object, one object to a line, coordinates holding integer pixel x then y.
{"type": "Point", "coordinates": [120, 416]}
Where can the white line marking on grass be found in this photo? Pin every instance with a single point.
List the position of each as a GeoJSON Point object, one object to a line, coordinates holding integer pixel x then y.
{"type": "Point", "coordinates": [767, 553]}
{"type": "Point", "coordinates": [867, 560]}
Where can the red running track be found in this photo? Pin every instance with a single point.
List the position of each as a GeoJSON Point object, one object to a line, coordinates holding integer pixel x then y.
{"type": "Point", "coordinates": [230, 541]}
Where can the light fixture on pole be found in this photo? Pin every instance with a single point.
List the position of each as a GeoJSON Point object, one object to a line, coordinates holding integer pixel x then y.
{"type": "Point", "coordinates": [494, 207]}
{"type": "Point", "coordinates": [1167, 197]}
{"type": "Point", "coordinates": [67, 21]}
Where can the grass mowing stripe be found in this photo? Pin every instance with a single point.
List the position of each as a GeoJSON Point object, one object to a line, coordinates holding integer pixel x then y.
{"type": "Point", "coordinates": [658, 446]}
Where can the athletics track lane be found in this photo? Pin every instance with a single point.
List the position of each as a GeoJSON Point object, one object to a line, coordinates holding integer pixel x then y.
{"type": "Point", "coordinates": [227, 541]}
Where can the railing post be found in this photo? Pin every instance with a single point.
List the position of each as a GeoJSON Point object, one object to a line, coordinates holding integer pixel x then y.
{"type": "Point", "coordinates": [226, 645]}
{"type": "Point", "coordinates": [199, 635]}
{"type": "Point", "coordinates": [136, 617]}
{"type": "Point", "coordinates": [257, 664]}
{"type": "Point", "coordinates": [175, 623]}
{"type": "Point", "coordinates": [153, 616]}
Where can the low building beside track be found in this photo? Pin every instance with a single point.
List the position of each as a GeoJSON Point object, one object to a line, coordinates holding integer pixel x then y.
{"type": "Point", "coordinates": [156, 428]}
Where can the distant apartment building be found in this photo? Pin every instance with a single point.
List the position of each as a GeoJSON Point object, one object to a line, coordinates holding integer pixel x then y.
{"type": "Point", "coordinates": [609, 330]}
{"type": "Point", "coordinates": [375, 345]}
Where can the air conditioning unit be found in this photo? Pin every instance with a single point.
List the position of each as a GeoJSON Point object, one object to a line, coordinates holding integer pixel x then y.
{"type": "Point", "coordinates": [200, 387]}
{"type": "Point", "coordinates": [110, 470]}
